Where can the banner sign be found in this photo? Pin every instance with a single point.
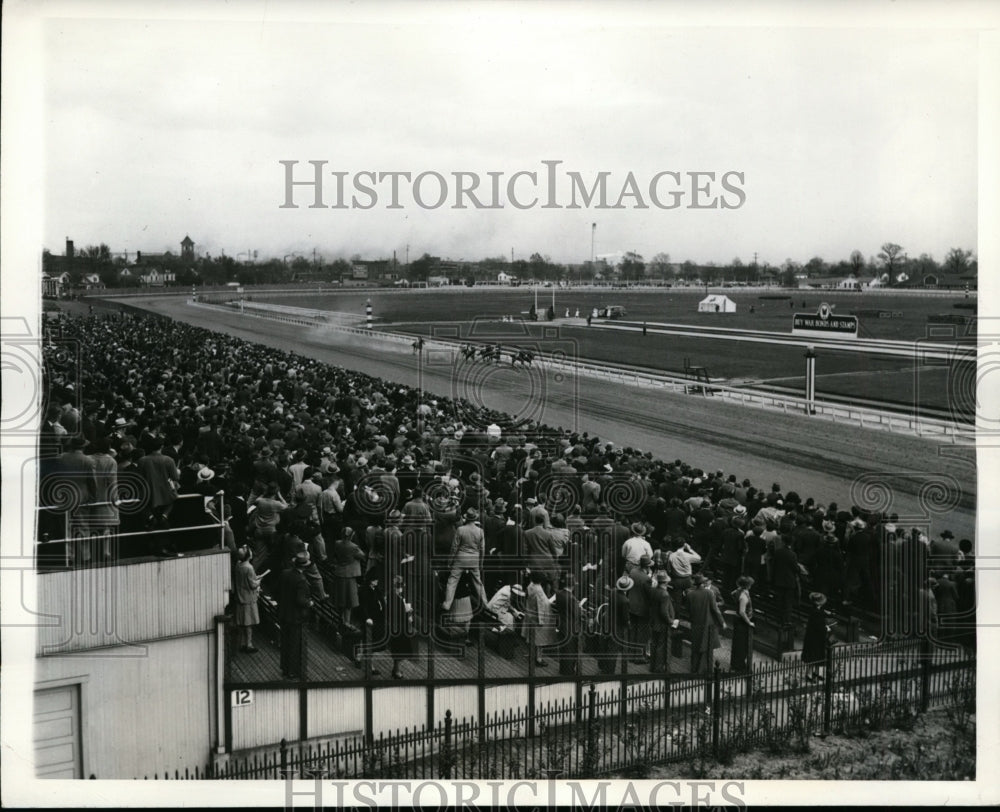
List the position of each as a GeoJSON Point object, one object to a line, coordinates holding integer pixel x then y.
{"type": "Point", "coordinates": [824, 324]}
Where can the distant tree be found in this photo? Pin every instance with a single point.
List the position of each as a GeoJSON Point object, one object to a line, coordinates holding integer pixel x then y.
{"type": "Point", "coordinates": [957, 260]}
{"type": "Point", "coordinates": [659, 266]}
{"type": "Point", "coordinates": [338, 268]}
{"type": "Point", "coordinates": [788, 278]}
{"type": "Point", "coordinates": [857, 262]}
{"type": "Point", "coordinates": [922, 266]}
{"type": "Point", "coordinates": [815, 266]}
{"type": "Point", "coordinates": [689, 270]}
{"type": "Point", "coordinates": [891, 257]}
{"type": "Point", "coordinates": [420, 269]}
{"type": "Point", "coordinates": [632, 266]}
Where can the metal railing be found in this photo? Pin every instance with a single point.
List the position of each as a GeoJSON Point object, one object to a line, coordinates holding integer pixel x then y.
{"type": "Point", "coordinates": [864, 687]}
{"type": "Point", "coordinates": [79, 530]}
{"type": "Point", "coordinates": [860, 416]}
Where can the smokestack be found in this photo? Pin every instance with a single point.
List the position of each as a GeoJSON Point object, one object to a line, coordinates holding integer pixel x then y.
{"type": "Point", "coordinates": [69, 248]}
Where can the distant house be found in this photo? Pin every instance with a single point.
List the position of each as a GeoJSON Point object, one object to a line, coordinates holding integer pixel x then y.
{"type": "Point", "coordinates": [53, 285]}
{"type": "Point", "coordinates": [716, 303]}
{"type": "Point", "coordinates": [947, 279]}
{"type": "Point", "coordinates": [156, 278]}
{"type": "Point", "coordinates": [92, 281]}
{"type": "Point", "coordinates": [850, 283]}
{"type": "Point", "coordinates": [438, 281]}
{"type": "Point", "coordinates": [505, 278]}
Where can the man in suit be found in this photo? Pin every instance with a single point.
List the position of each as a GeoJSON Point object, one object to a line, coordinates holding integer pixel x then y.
{"type": "Point", "coordinates": [540, 547]}
{"type": "Point", "coordinates": [467, 551]}
{"type": "Point", "coordinates": [706, 620]}
{"type": "Point", "coordinates": [662, 620]}
{"type": "Point", "coordinates": [293, 610]}
{"type": "Point", "coordinates": [570, 625]}
{"type": "Point", "coordinates": [161, 475]}
{"type": "Point", "coordinates": [638, 603]}
{"type": "Point", "coordinates": [73, 483]}
{"type": "Point", "coordinates": [785, 580]}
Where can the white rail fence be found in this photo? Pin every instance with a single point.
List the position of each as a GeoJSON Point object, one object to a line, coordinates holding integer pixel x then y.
{"type": "Point", "coordinates": [860, 416]}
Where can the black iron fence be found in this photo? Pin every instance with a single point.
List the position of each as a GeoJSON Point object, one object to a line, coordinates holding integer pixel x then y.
{"type": "Point", "coordinates": [618, 728]}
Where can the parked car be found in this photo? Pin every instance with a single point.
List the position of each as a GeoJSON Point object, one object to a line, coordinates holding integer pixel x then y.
{"type": "Point", "coordinates": [614, 312]}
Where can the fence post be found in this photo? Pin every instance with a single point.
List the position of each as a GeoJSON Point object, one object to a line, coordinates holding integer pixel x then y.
{"type": "Point", "coordinates": [926, 651]}
{"type": "Point", "coordinates": [828, 689]}
{"type": "Point", "coordinates": [446, 747]}
{"type": "Point", "coordinates": [716, 709]}
{"type": "Point", "coordinates": [284, 759]}
{"type": "Point", "coordinates": [590, 739]}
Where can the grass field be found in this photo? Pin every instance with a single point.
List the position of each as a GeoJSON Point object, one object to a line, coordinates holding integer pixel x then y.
{"type": "Point", "coordinates": [679, 307]}
{"type": "Point", "coordinates": [907, 381]}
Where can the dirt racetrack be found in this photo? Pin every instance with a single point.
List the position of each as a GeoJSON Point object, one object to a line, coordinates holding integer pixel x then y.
{"type": "Point", "coordinates": [927, 482]}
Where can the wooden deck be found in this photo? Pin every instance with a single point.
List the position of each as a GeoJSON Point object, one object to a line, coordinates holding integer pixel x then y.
{"type": "Point", "coordinates": [325, 663]}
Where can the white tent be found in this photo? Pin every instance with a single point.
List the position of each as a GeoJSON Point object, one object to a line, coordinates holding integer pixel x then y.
{"type": "Point", "coordinates": [716, 303]}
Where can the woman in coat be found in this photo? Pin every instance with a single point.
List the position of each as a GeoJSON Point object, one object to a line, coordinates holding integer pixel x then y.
{"type": "Point", "coordinates": [102, 519]}
{"type": "Point", "coordinates": [347, 558]}
{"type": "Point", "coordinates": [817, 631]}
{"type": "Point", "coordinates": [247, 587]}
{"type": "Point", "coordinates": [539, 617]}
{"type": "Point", "coordinates": [740, 658]}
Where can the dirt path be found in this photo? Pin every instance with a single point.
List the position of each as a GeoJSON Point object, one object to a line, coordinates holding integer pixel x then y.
{"type": "Point", "coordinates": [924, 481]}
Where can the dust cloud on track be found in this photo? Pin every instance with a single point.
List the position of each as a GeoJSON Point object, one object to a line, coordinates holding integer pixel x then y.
{"type": "Point", "coordinates": [924, 481]}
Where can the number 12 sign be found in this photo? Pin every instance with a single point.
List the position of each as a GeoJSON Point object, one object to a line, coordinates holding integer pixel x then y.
{"type": "Point", "coordinates": [241, 697]}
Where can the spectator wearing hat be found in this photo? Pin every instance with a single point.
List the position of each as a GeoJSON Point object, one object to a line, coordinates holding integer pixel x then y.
{"type": "Point", "coordinates": [246, 584]}
{"type": "Point", "coordinates": [507, 604]}
{"type": "Point", "coordinates": [927, 609]}
{"type": "Point", "coordinates": [293, 611]}
{"type": "Point", "coordinates": [330, 506]}
{"type": "Point", "coordinates": [756, 550]}
{"type": "Point", "coordinates": [662, 621]}
{"type": "Point", "coordinates": [741, 654]}
{"type": "Point", "coordinates": [828, 566]}
{"type": "Point", "coordinates": [944, 549]}
{"type": "Point", "coordinates": [347, 558]}
{"type": "Point", "coordinates": [590, 495]}
{"type": "Point", "coordinates": [946, 595]}
{"type": "Point", "coordinates": [635, 547]}
{"type": "Point", "coordinates": [706, 621]}
{"type": "Point", "coordinates": [785, 581]}
{"type": "Point", "coordinates": [162, 478]}
{"type": "Point", "coordinates": [614, 626]}
{"type": "Point", "coordinates": [399, 621]}
{"type": "Point", "coordinates": [681, 563]}
{"type": "Point", "coordinates": [570, 625]}
{"type": "Point", "coordinates": [638, 600]}
{"type": "Point", "coordinates": [398, 559]}
{"type": "Point", "coordinates": [818, 628]}
{"type": "Point", "coordinates": [732, 549]}
{"type": "Point", "coordinates": [540, 546]}
{"type": "Point", "coordinates": [101, 518]}
{"type": "Point", "coordinates": [267, 509]}
{"type": "Point", "coordinates": [539, 628]}
{"type": "Point", "coordinates": [536, 509]}
{"type": "Point", "coordinates": [308, 492]}
{"type": "Point", "coordinates": [72, 482]}
{"type": "Point", "coordinates": [858, 575]}
{"type": "Point", "coordinates": [467, 551]}
{"type": "Point", "coordinates": [374, 612]}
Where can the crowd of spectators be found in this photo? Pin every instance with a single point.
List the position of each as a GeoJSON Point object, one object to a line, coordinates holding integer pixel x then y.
{"type": "Point", "coordinates": [449, 504]}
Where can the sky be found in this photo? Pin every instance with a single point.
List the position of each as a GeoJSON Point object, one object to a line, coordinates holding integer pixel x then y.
{"type": "Point", "coordinates": [842, 138]}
